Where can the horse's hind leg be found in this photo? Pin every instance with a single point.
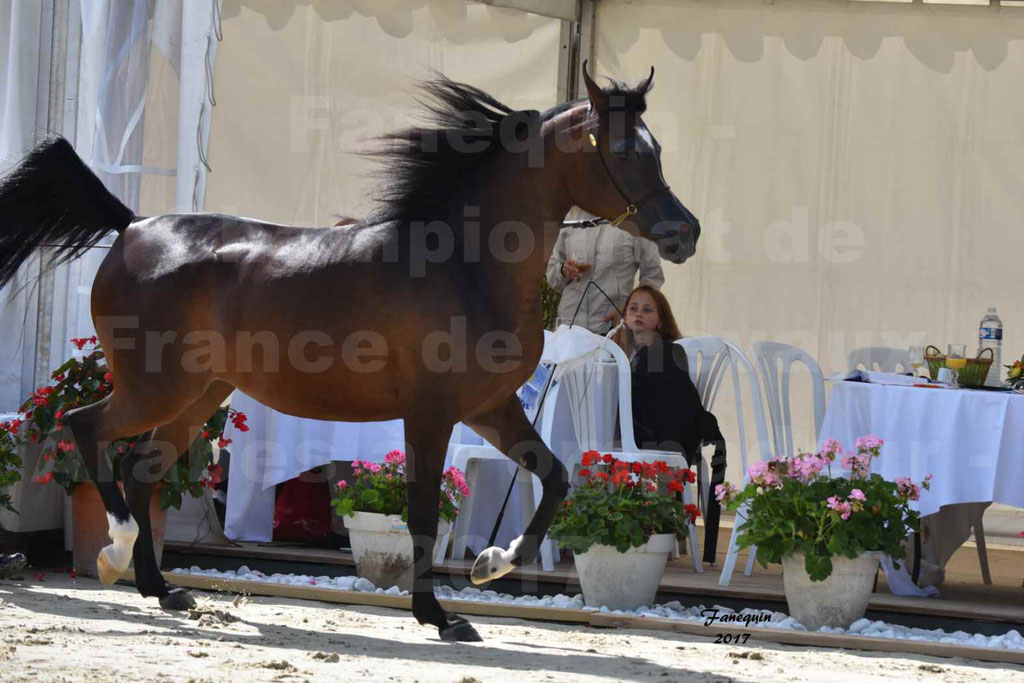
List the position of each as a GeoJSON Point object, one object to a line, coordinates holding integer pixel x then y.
{"type": "Point", "coordinates": [142, 469]}
{"type": "Point", "coordinates": [508, 430]}
{"type": "Point", "coordinates": [114, 417]}
{"type": "Point", "coordinates": [427, 442]}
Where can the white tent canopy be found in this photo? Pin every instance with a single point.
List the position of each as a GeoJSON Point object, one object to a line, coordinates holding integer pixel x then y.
{"type": "Point", "coordinates": [854, 164]}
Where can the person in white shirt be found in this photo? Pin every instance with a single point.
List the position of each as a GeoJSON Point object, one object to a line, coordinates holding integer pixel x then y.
{"type": "Point", "coordinates": [609, 256]}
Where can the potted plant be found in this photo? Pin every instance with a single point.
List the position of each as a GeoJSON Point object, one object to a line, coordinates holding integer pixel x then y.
{"type": "Point", "coordinates": [375, 510]}
{"type": "Point", "coordinates": [828, 532]}
{"type": "Point", "coordinates": [622, 524]}
{"type": "Point", "coordinates": [82, 381]}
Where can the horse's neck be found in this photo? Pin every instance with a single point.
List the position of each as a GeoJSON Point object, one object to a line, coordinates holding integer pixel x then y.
{"type": "Point", "coordinates": [511, 206]}
{"type": "Point", "coordinates": [519, 220]}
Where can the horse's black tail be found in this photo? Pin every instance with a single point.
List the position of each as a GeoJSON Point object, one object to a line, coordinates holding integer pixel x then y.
{"type": "Point", "coordinates": [53, 199]}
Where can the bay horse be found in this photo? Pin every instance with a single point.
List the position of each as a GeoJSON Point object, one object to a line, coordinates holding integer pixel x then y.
{"type": "Point", "coordinates": [428, 310]}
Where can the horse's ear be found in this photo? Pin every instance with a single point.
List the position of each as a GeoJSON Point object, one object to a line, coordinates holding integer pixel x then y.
{"type": "Point", "coordinates": [646, 85]}
{"type": "Point", "coordinates": [598, 99]}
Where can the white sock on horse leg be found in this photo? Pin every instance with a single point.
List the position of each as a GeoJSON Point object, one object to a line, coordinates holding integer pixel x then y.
{"type": "Point", "coordinates": [123, 534]}
{"type": "Point", "coordinates": [495, 562]}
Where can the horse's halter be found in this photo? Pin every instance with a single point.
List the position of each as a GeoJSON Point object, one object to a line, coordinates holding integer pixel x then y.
{"type": "Point", "coordinates": [631, 207]}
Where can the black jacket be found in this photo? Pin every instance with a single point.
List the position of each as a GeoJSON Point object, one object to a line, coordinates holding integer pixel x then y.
{"type": "Point", "coordinates": [668, 415]}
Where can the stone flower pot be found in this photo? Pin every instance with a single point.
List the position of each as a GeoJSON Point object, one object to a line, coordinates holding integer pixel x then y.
{"type": "Point", "coordinates": [382, 548]}
{"type": "Point", "coordinates": [623, 580]}
{"type": "Point", "coordinates": [839, 600]}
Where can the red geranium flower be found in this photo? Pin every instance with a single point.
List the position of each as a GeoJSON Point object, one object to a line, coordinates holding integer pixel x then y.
{"type": "Point", "coordinates": [223, 443]}
{"type": "Point", "coordinates": [44, 478]}
{"type": "Point", "coordinates": [585, 473]}
{"type": "Point", "coordinates": [216, 473]}
{"type": "Point", "coordinates": [591, 458]}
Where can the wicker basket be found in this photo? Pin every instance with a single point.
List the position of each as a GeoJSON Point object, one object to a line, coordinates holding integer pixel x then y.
{"type": "Point", "coordinates": [972, 375]}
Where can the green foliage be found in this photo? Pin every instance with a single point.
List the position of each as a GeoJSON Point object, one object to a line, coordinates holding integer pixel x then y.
{"type": "Point", "coordinates": [549, 300]}
{"type": "Point", "coordinates": [80, 382]}
{"type": "Point", "coordinates": [10, 463]}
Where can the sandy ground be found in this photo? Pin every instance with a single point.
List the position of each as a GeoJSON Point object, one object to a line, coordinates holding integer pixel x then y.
{"type": "Point", "coordinates": [60, 628]}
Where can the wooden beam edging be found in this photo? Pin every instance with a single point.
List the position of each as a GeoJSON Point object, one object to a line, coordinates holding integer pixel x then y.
{"type": "Point", "coordinates": [597, 619]}
{"type": "Point", "coordinates": [403, 602]}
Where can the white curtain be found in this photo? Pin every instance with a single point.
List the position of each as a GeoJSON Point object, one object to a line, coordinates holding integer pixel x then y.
{"type": "Point", "coordinates": [121, 41]}
{"type": "Point", "coordinates": [22, 88]}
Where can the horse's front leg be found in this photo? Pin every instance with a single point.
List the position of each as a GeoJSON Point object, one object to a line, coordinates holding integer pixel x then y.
{"type": "Point", "coordinates": [427, 442]}
{"type": "Point", "coordinates": [508, 430]}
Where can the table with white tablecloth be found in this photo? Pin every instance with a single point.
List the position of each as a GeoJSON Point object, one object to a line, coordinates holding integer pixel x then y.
{"type": "Point", "coordinates": [970, 441]}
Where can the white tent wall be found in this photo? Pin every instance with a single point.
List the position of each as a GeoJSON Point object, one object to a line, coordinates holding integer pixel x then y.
{"type": "Point", "coordinates": [856, 167]}
{"type": "Point", "coordinates": [301, 87]}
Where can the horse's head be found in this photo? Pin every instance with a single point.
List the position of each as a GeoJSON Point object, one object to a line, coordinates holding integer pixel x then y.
{"type": "Point", "coordinates": [620, 178]}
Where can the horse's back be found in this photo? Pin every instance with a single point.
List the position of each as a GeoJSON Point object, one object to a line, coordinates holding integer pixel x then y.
{"type": "Point", "coordinates": [156, 247]}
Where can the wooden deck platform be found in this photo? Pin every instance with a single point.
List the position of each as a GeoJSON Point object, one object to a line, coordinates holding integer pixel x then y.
{"type": "Point", "coordinates": [963, 596]}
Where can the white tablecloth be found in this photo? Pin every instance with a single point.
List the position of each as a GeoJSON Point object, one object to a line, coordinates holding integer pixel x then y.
{"type": "Point", "coordinates": [971, 441]}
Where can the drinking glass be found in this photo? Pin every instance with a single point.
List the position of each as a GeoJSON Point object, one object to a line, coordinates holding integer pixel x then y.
{"type": "Point", "coordinates": [916, 359]}
{"type": "Point", "coordinates": [583, 259]}
{"type": "Point", "coordinates": [956, 360]}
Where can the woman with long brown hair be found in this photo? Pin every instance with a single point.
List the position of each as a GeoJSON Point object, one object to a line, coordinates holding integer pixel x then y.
{"type": "Point", "coordinates": [667, 410]}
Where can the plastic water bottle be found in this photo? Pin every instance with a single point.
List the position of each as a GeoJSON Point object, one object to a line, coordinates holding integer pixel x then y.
{"type": "Point", "coordinates": [990, 336]}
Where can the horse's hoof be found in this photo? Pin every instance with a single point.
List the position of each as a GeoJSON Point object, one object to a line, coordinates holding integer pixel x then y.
{"type": "Point", "coordinates": [459, 630]}
{"type": "Point", "coordinates": [492, 563]}
{"type": "Point", "coordinates": [178, 599]}
{"type": "Point", "coordinates": [108, 573]}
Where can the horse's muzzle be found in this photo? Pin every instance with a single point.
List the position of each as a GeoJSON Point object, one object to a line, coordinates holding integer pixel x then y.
{"type": "Point", "coordinates": [677, 242]}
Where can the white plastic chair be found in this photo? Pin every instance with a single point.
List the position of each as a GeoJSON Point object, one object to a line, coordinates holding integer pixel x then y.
{"type": "Point", "coordinates": [709, 359]}
{"type": "Point", "coordinates": [885, 358]}
{"type": "Point", "coordinates": [774, 363]}
{"type": "Point", "coordinates": [593, 418]}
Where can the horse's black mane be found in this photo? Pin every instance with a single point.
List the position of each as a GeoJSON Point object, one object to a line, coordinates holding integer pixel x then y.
{"type": "Point", "coordinates": [425, 165]}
